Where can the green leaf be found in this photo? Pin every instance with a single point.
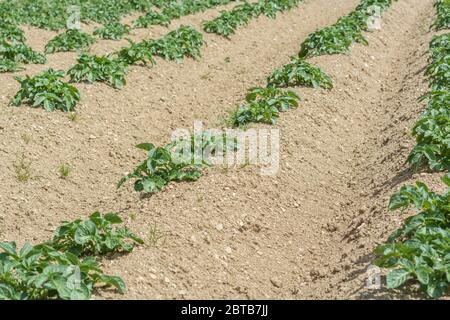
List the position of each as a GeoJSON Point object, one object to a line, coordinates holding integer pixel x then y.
{"type": "Point", "coordinates": [397, 277]}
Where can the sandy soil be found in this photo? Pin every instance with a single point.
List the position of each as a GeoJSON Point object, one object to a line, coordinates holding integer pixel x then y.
{"type": "Point", "coordinates": [305, 233]}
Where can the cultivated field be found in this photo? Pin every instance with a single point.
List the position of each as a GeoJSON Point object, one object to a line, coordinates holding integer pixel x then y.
{"type": "Point", "coordinates": [357, 90]}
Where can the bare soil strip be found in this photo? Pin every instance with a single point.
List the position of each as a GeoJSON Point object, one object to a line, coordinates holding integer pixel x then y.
{"type": "Point", "coordinates": [235, 234]}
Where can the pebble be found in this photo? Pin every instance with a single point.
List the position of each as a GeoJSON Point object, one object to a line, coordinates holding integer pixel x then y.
{"type": "Point", "coordinates": [219, 226]}
{"type": "Point", "coordinates": [276, 282]}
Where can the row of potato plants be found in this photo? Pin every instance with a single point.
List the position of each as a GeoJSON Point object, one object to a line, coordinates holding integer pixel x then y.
{"type": "Point", "coordinates": [67, 266]}
{"type": "Point", "coordinates": [336, 39]}
{"type": "Point", "coordinates": [228, 21]}
{"type": "Point", "coordinates": [53, 15]}
{"type": "Point", "coordinates": [14, 51]}
{"type": "Point", "coordinates": [114, 30]}
{"type": "Point", "coordinates": [174, 10]}
{"type": "Point", "coordinates": [48, 90]}
{"type": "Point", "coordinates": [419, 251]}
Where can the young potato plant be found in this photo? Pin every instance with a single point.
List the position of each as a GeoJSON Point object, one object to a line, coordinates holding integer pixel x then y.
{"type": "Point", "coordinates": [443, 14]}
{"type": "Point", "coordinates": [70, 40]}
{"type": "Point", "coordinates": [439, 46]}
{"type": "Point", "coordinates": [43, 272]}
{"type": "Point", "coordinates": [181, 160]}
{"type": "Point", "coordinates": [419, 250]}
{"type": "Point", "coordinates": [152, 18]}
{"type": "Point", "coordinates": [103, 69]}
{"type": "Point", "coordinates": [94, 236]}
{"type": "Point", "coordinates": [47, 90]}
{"type": "Point", "coordinates": [11, 33]}
{"type": "Point", "coordinates": [299, 72]}
{"type": "Point", "coordinates": [7, 65]}
{"type": "Point", "coordinates": [12, 54]}
{"type": "Point", "coordinates": [112, 31]}
{"type": "Point", "coordinates": [264, 105]}
{"type": "Point", "coordinates": [432, 131]}
{"type": "Point", "coordinates": [438, 72]}
{"type": "Point", "coordinates": [136, 53]}
{"type": "Point", "coordinates": [178, 44]}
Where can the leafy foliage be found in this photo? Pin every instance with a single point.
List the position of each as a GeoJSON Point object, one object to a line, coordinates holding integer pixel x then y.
{"type": "Point", "coordinates": [137, 52]}
{"type": "Point", "coordinates": [182, 42]}
{"type": "Point", "coordinates": [112, 31]}
{"type": "Point", "coordinates": [42, 272]}
{"type": "Point", "coordinates": [94, 68]}
{"type": "Point", "coordinates": [94, 236]}
{"type": "Point", "coordinates": [152, 18]}
{"type": "Point", "coordinates": [443, 14]}
{"type": "Point", "coordinates": [7, 65]}
{"type": "Point", "coordinates": [228, 21]}
{"type": "Point", "coordinates": [299, 72]}
{"type": "Point", "coordinates": [11, 54]}
{"type": "Point", "coordinates": [432, 130]}
{"type": "Point", "coordinates": [10, 32]}
{"type": "Point", "coordinates": [339, 37]}
{"type": "Point", "coordinates": [181, 160]}
{"type": "Point", "coordinates": [264, 105]}
{"type": "Point", "coordinates": [70, 40]}
{"type": "Point", "coordinates": [47, 90]}
{"type": "Point", "coordinates": [420, 248]}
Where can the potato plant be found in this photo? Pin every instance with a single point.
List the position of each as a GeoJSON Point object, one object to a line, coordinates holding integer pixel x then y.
{"type": "Point", "coordinates": [48, 91]}
{"type": "Point", "coordinates": [11, 33]}
{"type": "Point", "coordinates": [14, 53]}
{"type": "Point", "coordinates": [43, 272]}
{"type": "Point", "coordinates": [443, 14]}
{"type": "Point", "coordinates": [178, 44]}
{"type": "Point", "coordinates": [65, 267]}
{"type": "Point", "coordinates": [180, 160]}
{"type": "Point", "coordinates": [112, 31]}
{"type": "Point", "coordinates": [94, 236]}
{"type": "Point", "coordinates": [264, 105]}
{"type": "Point", "coordinates": [94, 68]}
{"type": "Point", "coordinates": [299, 72]}
{"type": "Point", "coordinates": [136, 53]}
{"type": "Point", "coordinates": [419, 250]}
{"type": "Point", "coordinates": [70, 40]}
{"type": "Point", "coordinates": [152, 18]}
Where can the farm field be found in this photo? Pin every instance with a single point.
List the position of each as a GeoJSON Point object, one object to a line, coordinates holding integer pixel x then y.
{"type": "Point", "coordinates": [357, 123]}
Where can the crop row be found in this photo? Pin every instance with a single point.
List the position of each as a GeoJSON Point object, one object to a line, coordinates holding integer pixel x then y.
{"type": "Point", "coordinates": [228, 21]}
{"type": "Point", "coordinates": [53, 15]}
{"type": "Point", "coordinates": [335, 39]}
{"type": "Point", "coordinates": [420, 249]}
{"type": "Point", "coordinates": [14, 51]}
{"type": "Point", "coordinates": [49, 91]}
{"type": "Point", "coordinates": [174, 10]}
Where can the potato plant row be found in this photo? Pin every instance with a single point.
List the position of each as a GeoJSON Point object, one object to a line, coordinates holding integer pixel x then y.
{"type": "Point", "coordinates": [420, 249]}
{"type": "Point", "coordinates": [228, 21]}
{"type": "Point", "coordinates": [336, 39]}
